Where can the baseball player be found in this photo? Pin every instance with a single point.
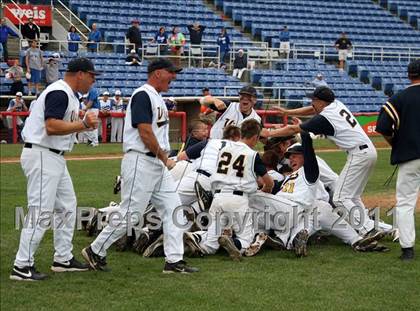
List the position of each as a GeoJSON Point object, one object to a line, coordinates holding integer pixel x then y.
{"type": "Point", "coordinates": [94, 106]}
{"type": "Point", "coordinates": [49, 132]}
{"type": "Point", "coordinates": [334, 120]}
{"type": "Point", "coordinates": [144, 171]}
{"type": "Point", "coordinates": [235, 177]}
{"type": "Point", "coordinates": [325, 218]}
{"type": "Point", "coordinates": [399, 123]}
{"type": "Point", "coordinates": [117, 124]}
{"type": "Point", "coordinates": [234, 113]}
{"type": "Point", "coordinates": [105, 104]}
{"type": "Point", "coordinates": [205, 156]}
{"type": "Point", "coordinates": [17, 104]}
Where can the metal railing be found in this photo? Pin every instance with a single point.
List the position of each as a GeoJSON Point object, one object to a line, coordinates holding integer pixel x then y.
{"type": "Point", "coordinates": [70, 23]}
{"type": "Point", "coordinates": [72, 17]}
{"type": "Point", "coordinates": [82, 43]}
{"type": "Point", "coordinates": [373, 52]}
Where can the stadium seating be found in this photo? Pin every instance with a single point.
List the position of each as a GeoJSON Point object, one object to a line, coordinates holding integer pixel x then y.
{"type": "Point", "coordinates": [357, 95]}
{"type": "Point", "coordinates": [408, 10]}
{"type": "Point", "coordinates": [113, 17]}
{"type": "Point", "coordinates": [321, 21]}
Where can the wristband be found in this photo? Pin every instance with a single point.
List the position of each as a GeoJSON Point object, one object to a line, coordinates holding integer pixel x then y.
{"type": "Point", "coordinates": [85, 124]}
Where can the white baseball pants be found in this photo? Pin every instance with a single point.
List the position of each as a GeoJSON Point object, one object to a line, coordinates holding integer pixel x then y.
{"type": "Point", "coordinates": [351, 183]}
{"type": "Point", "coordinates": [51, 204]}
{"type": "Point", "coordinates": [408, 185]}
{"type": "Point", "coordinates": [326, 219]}
{"type": "Point", "coordinates": [145, 179]}
{"type": "Point", "coordinates": [117, 125]}
{"type": "Point", "coordinates": [186, 186]}
{"type": "Point", "coordinates": [285, 217]}
{"type": "Point", "coordinates": [228, 211]}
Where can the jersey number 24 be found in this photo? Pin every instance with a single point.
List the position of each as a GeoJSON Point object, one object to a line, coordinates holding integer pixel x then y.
{"type": "Point", "coordinates": [238, 164]}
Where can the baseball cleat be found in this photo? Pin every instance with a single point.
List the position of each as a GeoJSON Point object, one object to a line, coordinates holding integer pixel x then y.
{"type": "Point", "coordinates": [27, 274]}
{"type": "Point", "coordinates": [375, 234]}
{"type": "Point", "coordinates": [204, 197]}
{"type": "Point", "coordinates": [117, 184]}
{"type": "Point", "coordinates": [256, 246]}
{"type": "Point", "coordinates": [95, 261]}
{"type": "Point", "coordinates": [227, 243]}
{"type": "Point", "coordinates": [364, 246]}
{"type": "Point", "coordinates": [275, 243]}
{"type": "Point", "coordinates": [141, 243]}
{"type": "Point", "coordinates": [92, 225]}
{"type": "Point", "coordinates": [155, 249]}
{"type": "Point", "coordinates": [193, 240]}
{"type": "Point", "coordinates": [72, 265]}
{"type": "Point", "coordinates": [178, 267]}
{"type": "Point", "coordinates": [300, 243]}
{"type": "Point", "coordinates": [407, 254]}
{"type": "Point", "coordinates": [380, 248]}
{"type": "Point", "coordinates": [124, 243]}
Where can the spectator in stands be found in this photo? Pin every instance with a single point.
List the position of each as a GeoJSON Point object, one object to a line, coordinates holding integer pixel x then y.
{"type": "Point", "coordinates": [16, 105]}
{"type": "Point", "coordinates": [15, 73]}
{"type": "Point", "coordinates": [93, 38]}
{"type": "Point", "coordinates": [117, 124]}
{"type": "Point", "coordinates": [1, 57]}
{"type": "Point", "coordinates": [30, 30]}
{"type": "Point", "coordinates": [284, 42]}
{"type": "Point", "coordinates": [133, 59]}
{"type": "Point", "coordinates": [176, 43]}
{"type": "Point", "coordinates": [73, 36]}
{"type": "Point", "coordinates": [196, 33]}
{"type": "Point", "coordinates": [223, 41]}
{"type": "Point", "coordinates": [5, 31]}
{"type": "Point", "coordinates": [161, 38]}
{"type": "Point", "coordinates": [34, 66]}
{"type": "Point", "coordinates": [105, 109]}
{"type": "Point", "coordinates": [239, 64]}
{"type": "Point", "coordinates": [343, 46]}
{"type": "Point", "coordinates": [318, 81]}
{"type": "Point", "coordinates": [134, 36]}
{"type": "Point", "coordinates": [52, 67]}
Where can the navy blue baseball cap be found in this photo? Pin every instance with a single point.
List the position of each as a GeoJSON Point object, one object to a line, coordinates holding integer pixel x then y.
{"type": "Point", "coordinates": [323, 93]}
{"type": "Point", "coordinates": [163, 63]}
{"type": "Point", "coordinates": [296, 148]}
{"type": "Point", "coordinates": [82, 64]}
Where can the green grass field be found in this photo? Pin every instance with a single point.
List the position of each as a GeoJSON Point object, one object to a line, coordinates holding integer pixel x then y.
{"type": "Point", "coordinates": [332, 277]}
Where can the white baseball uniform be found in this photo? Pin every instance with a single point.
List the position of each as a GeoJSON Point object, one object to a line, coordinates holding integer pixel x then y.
{"type": "Point", "coordinates": [50, 189]}
{"type": "Point", "coordinates": [144, 177]}
{"type": "Point", "coordinates": [117, 124]}
{"type": "Point", "coordinates": [231, 116]}
{"type": "Point", "coordinates": [348, 135]}
{"type": "Point", "coordinates": [232, 181]}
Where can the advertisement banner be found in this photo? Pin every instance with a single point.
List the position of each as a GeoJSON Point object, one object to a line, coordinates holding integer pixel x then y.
{"type": "Point", "coordinates": [41, 14]}
{"type": "Point", "coordinates": [368, 123]}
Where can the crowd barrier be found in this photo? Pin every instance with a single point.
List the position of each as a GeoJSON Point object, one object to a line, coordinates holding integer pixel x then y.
{"type": "Point", "coordinates": [172, 114]}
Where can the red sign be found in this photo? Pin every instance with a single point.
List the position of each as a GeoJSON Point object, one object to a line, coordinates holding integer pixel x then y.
{"type": "Point", "coordinates": [40, 13]}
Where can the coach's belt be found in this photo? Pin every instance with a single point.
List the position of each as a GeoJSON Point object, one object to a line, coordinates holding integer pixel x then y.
{"type": "Point", "coordinates": [362, 147]}
{"type": "Point", "coordinates": [59, 152]}
{"type": "Point", "coordinates": [149, 154]}
{"type": "Point", "coordinates": [235, 192]}
{"type": "Point", "coordinates": [200, 171]}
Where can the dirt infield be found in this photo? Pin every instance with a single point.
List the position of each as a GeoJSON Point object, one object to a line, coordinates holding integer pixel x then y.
{"type": "Point", "coordinates": [384, 201]}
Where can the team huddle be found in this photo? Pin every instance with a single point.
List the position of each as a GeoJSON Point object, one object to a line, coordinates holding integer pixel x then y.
{"type": "Point", "coordinates": [218, 193]}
